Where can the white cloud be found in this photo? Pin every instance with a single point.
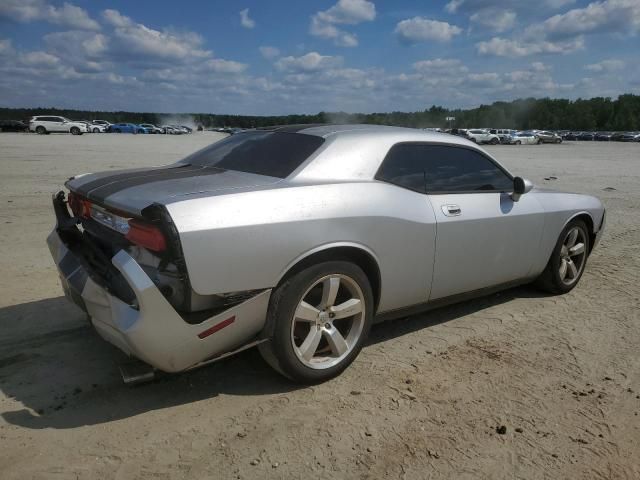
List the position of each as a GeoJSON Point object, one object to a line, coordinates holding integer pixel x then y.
{"type": "Point", "coordinates": [420, 29]}
{"type": "Point", "coordinates": [479, 80]}
{"type": "Point", "coordinates": [133, 39]}
{"type": "Point", "coordinates": [503, 47]}
{"type": "Point", "coordinates": [74, 42]}
{"type": "Point", "coordinates": [620, 16]}
{"type": "Point", "coordinates": [558, 3]}
{"type": "Point", "coordinates": [67, 15]}
{"type": "Point", "coordinates": [311, 62]}
{"type": "Point", "coordinates": [469, 6]}
{"type": "Point", "coordinates": [245, 20]}
{"type": "Point", "coordinates": [345, 12]}
{"type": "Point", "coordinates": [349, 12]}
{"type": "Point", "coordinates": [219, 65]}
{"type": "Point", "coordinates": [609, 65]}
{"type": "Point", "coordinates": [565, 33]}
{"type": "Point", "coordinates": [441, 67]}
{"type": "Point", "coordinates": [39, 59]}
{"type": "Point", "coordinates": [6, 48]}
{"type": "Point", "coordinates": [269, 52]}
{"type": "Point", "coordinates": [496, 19]}
{"type": "Point", "coordinates": [116, 19]}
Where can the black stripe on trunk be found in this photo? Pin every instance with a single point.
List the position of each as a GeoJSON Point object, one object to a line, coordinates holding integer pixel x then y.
{"type": "Point", "coordinates": [86, 188]}
{"type": "Point", "coordinates": [100, 193]}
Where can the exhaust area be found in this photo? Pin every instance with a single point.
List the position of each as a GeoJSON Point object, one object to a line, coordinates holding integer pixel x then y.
{"type": "Point", "coordinates": [135, 372]}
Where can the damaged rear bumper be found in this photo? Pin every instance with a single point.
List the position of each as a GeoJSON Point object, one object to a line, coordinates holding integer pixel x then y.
{"type": "Point", "coordinates": [149, 328]}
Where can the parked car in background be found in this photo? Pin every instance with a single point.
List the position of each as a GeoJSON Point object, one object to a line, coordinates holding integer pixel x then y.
{"type": "Point", "coordinates": [458, 132]}
{"type": "Point", "coordinates": [548, 137]}
{"type": "Point", "coordinates": [503, 134]}
{"type": "Point", "coordinates": [185, 264]}
{"type": "Point", "coordinates": [151, 128]}
{"type": "Point", "coordinates": [586, 136]}
{"type": "Point", "coordinates": [87, 124]}
{"type": "Point", "coordinates": [510, 140]}
{"type": "Point", "coordinates": [101, 123]}
{"type": "Point", "coordinates": [482, 136]}
{"type": "Point", "coordinates": [126, 128]}
{"type": "Point", "coordinates": [13, 126]}
{"type": "Point", "coordinates": [97, 128]}
{"type": "Point", "coordinates": [171, 130]}
{"type": "Point", "coordinates": [603, 136]}
{"type": "Point", "coordinates": [630, 137]}
{"type": "Point", "coordinates": [45, 124]}
{"type": "Point", "coordinates": [180, 129]}
{"type": "Point", "coordinates": [571, 135]}
{"type": "Point", "coordinates": [526, 138]}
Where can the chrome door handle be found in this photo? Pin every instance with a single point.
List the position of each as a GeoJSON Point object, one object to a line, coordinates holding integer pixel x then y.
{"type": "Point", "coordinates": [451, 210]}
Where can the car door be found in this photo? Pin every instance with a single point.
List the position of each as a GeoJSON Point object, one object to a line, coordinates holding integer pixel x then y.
{"type": "Point", "coordinates": [403, 166]}
{"type": "Point", "coordinates": [483, 237]}
{"type": "Point", "coordinates": [57, 124]}
{"type": "Point", "coordinates": [48, 123]}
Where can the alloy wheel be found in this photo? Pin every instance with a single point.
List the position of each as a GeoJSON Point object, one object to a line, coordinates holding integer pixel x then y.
{"type": "Point", "coordinates": [572, 256]}
{"type": "Point", "coordinates": [328, 321]}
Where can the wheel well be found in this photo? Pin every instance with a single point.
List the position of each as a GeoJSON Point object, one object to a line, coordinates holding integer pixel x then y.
{"type": "Point", "coordinates": [586, 218]}
{"type": "Point", "coordinates": [350, 254]}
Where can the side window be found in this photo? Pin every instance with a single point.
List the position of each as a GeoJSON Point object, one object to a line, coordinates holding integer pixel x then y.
{"type": "Point", "coordinates": [404, 166]}
{"type": "Point", "coordinates": [442, 169]}
{"type": "Point", "coordinates": [457, 169]}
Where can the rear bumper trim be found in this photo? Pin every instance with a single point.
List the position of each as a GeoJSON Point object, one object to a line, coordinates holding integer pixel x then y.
{"type": "Point", "coordinates": [153, 331]}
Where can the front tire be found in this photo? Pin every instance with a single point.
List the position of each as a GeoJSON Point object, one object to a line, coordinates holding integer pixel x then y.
{"type": "Point", "coordinates": [568, 260]}
{"type": "Point", "coordinates": [494, 141]}
{"type": "Point", "coordinates": [320, 318]}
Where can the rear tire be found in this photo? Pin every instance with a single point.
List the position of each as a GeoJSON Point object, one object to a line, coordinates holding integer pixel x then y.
{"type": "Point", "coordinates": [96, 130]}
{"type": "Point", "coordinates": [494, 141]}
{"type": "Point", "coordinates": [306, 345]}
{"type": "Point", "coordinates": [117, 130]}
{"type": "Point", "coordinates": [568, 260]}
{"type": "Point", "coordinates": [518, 142]}
{"type": "Point", "coordinates": [75, 131]}
{"type": "Point", "coordinates": [40, 130]}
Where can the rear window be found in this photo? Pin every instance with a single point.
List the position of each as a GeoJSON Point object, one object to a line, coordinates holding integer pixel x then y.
{"type": "Point", "coordinates": [274, 154]}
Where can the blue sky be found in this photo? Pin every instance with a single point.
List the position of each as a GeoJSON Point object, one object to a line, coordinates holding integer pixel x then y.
{"type": "Point", "coordinates": [281, 57]}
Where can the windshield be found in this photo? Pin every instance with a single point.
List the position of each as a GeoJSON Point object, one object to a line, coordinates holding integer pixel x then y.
{"type": "Point", "coordinates": [275, 154]}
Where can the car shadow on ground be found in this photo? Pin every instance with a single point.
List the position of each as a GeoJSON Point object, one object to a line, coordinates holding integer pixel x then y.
{"type": "Point", "coordinates": [67, 376]}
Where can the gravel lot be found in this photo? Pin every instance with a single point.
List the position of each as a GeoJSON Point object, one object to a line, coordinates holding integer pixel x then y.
{"type": "Point", "coordinates": [423, 400]}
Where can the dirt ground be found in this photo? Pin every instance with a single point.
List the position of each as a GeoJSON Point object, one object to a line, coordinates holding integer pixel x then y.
{"type": "Point", "coordinates": [423, 400]}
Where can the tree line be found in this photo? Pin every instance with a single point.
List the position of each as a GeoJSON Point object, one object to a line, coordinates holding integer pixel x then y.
{"type": "Point", "coordinates": [599, 113]}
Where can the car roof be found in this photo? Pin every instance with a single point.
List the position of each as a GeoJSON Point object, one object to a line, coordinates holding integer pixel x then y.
{"type": "Point", "coordinates": [371, 131]}
{"type": "Point", "coordinates": [355, 151]}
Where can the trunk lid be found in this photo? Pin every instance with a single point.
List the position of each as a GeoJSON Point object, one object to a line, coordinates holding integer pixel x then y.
{"type": "Point", "coordinates": [132, 190]}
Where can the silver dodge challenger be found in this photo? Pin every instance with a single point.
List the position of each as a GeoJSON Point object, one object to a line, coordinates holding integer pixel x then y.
{"type": "Point", "coordinates": [297, 239]}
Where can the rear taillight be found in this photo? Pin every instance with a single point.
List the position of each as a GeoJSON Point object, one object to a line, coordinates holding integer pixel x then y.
{"type": "Point", "coordinates": [147, 236]}
{"type": "Point", "coordinates": [79, 206]}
